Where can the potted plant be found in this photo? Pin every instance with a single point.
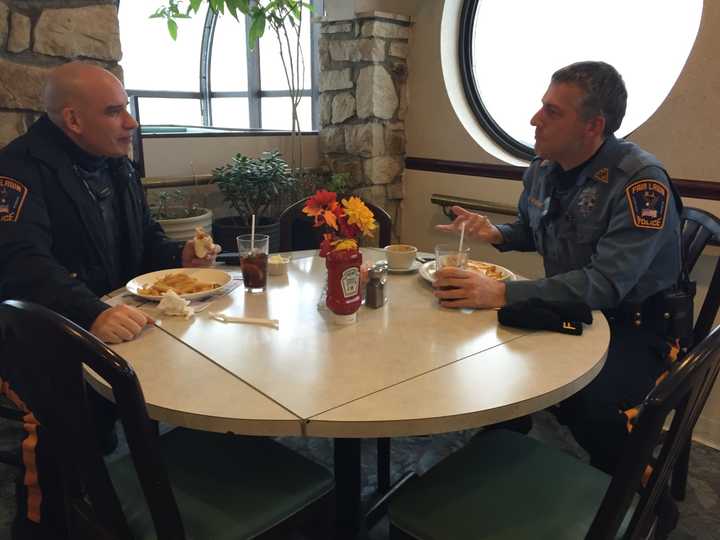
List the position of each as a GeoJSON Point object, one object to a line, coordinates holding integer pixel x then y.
{"type": "Point", "coordinates": [178, 215]}
{"type": "Point", "coordinates": [251, 186]}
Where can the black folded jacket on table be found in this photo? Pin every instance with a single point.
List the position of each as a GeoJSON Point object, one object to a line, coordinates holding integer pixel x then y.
{"type": "Point", "coordinates": [565, 317]}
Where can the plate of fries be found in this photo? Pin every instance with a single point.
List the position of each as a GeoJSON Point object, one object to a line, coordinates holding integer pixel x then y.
{"type": "Point", "coordinates": [188, 283]}
{"type": "Point", "coordinates": [494, 271]}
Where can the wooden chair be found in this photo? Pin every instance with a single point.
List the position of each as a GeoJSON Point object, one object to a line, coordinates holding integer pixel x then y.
{"type": "Point", "coordinates": [297, 231]}
{"type": "Point", "coordinates": [504, 485]}
{"type": "Point", "coordinates": [698, 229]}
{"type": "Point", "coordinates": [185, 484]}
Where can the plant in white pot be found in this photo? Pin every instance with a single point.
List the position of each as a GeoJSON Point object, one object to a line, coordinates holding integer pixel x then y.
{"type": "Point", "coordinates": [179, 216]}
{"type": "Point", "coordinates": [250, 186]}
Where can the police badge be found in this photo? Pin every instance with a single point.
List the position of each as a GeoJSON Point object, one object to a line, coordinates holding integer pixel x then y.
{"type": "Point", "coordinates": [586, 201]}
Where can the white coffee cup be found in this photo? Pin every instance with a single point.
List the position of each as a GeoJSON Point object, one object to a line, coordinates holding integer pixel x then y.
{"type": "Point", "coordinates": [400, 256]}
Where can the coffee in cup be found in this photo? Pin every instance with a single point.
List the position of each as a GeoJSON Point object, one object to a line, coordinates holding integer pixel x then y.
{"type": "Point", "coordinates": [400, 256]}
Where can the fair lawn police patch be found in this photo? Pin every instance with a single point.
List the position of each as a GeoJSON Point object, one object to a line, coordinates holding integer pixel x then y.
{"type": "Point", "coordinates": [12, 199]}
{"type": "Point", "coordinates": [648, 203]}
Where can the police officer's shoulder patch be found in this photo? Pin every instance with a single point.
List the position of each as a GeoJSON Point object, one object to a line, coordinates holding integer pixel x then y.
{"type": "Point", "coordinates": [12, 198]}
{"type": "Point", "coordinates": [647, 200]}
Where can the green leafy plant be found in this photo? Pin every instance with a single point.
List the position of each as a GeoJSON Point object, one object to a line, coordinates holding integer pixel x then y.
{"type": "Point", "coordinates": [251, 185]}
{"type": "Point", "coordinates": [284, 17]}
{"type": "Point", "coordinates": [338, 182]}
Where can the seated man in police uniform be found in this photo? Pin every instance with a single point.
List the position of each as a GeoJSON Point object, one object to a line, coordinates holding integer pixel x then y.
{"type": "Point", "coordinates": [604, 216]}
{"type": "Point", "coordinates": [75, 224]}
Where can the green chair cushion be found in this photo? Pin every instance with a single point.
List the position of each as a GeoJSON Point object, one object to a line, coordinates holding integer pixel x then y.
{"type": "Point", "coordinates": [502, 485]}
{"type": "Point", "coordinates": [226, 486]}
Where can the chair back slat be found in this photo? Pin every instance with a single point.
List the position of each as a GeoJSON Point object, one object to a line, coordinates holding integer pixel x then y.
{"type": "Point", "coordinates": [43, 355]}
{"type": "Point", "coordinates": [683, 393]}
{"type": "Point", "coordinates": [698, 227]}
{"type": "Point", "coordinates": [296, 231]}
{"type": "Point", "coordinates": [709, 308]}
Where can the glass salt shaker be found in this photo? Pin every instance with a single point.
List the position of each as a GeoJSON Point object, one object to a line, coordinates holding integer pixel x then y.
{"type": "Point", "coordinates": [375, 291]}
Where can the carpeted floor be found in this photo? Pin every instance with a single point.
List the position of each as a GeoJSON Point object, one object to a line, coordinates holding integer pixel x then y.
{"type": "Point", "coordinates": [699, 514]}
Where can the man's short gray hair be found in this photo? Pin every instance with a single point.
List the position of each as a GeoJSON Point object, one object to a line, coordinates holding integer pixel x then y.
{"type": "Point", "coordinates": [604, 88]}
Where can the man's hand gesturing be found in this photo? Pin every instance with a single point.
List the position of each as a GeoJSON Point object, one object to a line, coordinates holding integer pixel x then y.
{"type": "Point", "coordinates": [476, 226]}
{"type": "Point", "coordinates": [119, 323]}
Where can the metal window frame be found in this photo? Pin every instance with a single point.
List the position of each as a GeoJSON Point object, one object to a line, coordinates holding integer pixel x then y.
{"type": "Point", "coordinates": [205, 66]}
{"type": "Point", "coordinates": [253, 78]}
{"type": "Point", "coordinates": [470, 86]}
{"type": "Point", "coordinates": [254, 93]}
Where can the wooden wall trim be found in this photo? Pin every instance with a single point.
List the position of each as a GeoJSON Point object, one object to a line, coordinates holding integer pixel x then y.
{"type": "Point", "coordinates": [698, 189]}
{"type": "Point", "coordinates": [465, 168]}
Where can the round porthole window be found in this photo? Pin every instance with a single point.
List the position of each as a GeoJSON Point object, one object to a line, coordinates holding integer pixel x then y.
{"type": "Point", "coordinates": [508, 50]}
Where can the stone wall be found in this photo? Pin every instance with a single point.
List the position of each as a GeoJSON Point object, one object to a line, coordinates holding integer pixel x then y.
{"type": "Point", "coordinates": [363, 101]}
{"type": "Point", "coordinates": [36, 35]}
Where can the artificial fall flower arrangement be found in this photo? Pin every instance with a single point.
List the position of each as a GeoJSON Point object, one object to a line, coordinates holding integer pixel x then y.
{"type": "Point", "coordinates": [346, 220]}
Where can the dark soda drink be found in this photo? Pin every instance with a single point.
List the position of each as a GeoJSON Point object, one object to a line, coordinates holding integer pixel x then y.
{"type": "Point", "coordinates": [254, 270]}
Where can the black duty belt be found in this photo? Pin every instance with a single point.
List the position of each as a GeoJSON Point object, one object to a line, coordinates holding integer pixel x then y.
{"type": "Point", "coordinates": [648, 314]}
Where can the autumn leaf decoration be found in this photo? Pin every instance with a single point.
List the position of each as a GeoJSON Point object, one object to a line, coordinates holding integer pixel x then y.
{"type": "Point", "coordinates": [345, 221]}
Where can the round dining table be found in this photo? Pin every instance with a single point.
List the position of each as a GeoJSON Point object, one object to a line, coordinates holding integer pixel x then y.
{"type": "Point", "coordinates": [409, 367]}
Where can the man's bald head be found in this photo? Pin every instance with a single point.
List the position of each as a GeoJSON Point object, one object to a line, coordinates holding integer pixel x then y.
{"type": "Point", "coordinates": [71, 84]}
{"type": "Point", "coordinates": [88, 103]}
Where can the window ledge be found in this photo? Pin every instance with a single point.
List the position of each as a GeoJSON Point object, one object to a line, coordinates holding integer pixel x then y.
{"type": "Point", "coordinates": [176, 181]}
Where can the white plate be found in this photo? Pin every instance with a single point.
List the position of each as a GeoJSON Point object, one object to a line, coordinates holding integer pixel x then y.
{"type": "Point", "coordinates": [427, 271]}
{"type": "Point", "coordinates": [414, 267]}
{"type": "Point", "coordinates": [211, 275]}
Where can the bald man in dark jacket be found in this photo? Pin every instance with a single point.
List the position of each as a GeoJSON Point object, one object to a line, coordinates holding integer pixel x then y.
{"type": "Point", "coordinates": [74, 223]}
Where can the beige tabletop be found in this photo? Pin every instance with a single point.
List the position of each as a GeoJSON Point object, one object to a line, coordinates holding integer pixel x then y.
{"type": "Point", "coordinates": [409, 367]}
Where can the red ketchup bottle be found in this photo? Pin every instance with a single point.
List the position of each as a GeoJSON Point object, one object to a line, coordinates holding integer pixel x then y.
{"type": "Point", "coordinates": [343, 292]}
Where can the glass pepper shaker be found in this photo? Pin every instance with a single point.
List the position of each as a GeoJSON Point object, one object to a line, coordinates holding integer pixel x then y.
{"type": "Point", "coordinates": [375, 291]}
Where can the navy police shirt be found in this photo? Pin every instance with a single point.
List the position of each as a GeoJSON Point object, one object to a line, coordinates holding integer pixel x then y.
{"type": "Point", "coordinates": [612, 236]}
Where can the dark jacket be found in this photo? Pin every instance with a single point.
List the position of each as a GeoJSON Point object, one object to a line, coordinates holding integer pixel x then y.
{"type": "Point", "coordinates": [52, 236]}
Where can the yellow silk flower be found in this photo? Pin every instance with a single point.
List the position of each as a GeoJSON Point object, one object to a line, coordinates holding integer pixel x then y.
{"type": "Point", "coordinates": [360, 215]}
{"type": "Point", "coordinates": [345, 243]}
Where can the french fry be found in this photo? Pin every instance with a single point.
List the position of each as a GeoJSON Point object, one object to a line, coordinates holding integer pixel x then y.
{"type": "Point", "coordinates": [490, 270]}
{"type": "Point", "coordinates": [178, 282]}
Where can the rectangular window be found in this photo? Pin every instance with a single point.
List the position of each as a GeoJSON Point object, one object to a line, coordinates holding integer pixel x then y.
{"type": "Point", "coordinates": [178, 82]}
{"type": "Point", "coordinates": [228, 70]}
{"type": "Point", "coordinates": [272, 75]}
{"type": "Point", "coordinates": [151, 59]}
{"type": "Point", "coordinates": [231, 112]}
{"type": "Point", "coordinates": [173, 111]}
{"type": "Point", "coordinates": [277, 113]}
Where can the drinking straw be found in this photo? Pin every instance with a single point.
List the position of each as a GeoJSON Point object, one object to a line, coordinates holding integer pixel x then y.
{"type": "Point", "coordinates": [462, 236]}
{"type": "Point", "coordinates": [252, 234]}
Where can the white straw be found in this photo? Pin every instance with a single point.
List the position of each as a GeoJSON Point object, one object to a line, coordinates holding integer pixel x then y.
{"type": "Point", "coordinates": [252, 234]}
{"type": "Point", "coordinates": [462, 236]}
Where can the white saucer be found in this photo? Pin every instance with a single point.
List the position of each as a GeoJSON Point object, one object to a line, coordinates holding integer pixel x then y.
{"type": "Point", "coordinates": [414, 267]}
